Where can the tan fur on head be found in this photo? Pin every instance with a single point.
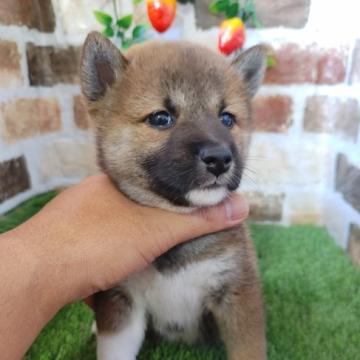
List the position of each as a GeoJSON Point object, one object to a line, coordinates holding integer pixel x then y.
{"type": "Point", "coordinates": [194, 81]}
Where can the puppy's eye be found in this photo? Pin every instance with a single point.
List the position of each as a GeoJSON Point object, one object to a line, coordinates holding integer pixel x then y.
{"type": "Point", "coordinates": [227, 119]}
{"type": "Point", "coordinates": [160, 120]}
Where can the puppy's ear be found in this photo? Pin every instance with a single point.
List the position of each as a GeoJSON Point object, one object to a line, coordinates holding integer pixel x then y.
{"type": "Point", "coordinates": [251, 64]}
{"type": "Point", "coordinates": [101, 66]}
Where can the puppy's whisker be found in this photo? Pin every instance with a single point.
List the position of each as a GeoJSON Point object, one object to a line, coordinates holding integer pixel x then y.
{"type": "Point", "coordinates": [252, 183]}
{"type": "Point", "coordinates": [255, 158]}
{"type": "Point", "coordinates": [247, 169]}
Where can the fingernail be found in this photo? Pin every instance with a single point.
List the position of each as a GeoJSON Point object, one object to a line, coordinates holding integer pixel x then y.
{"type": "Point", "coordinates": [236, 208]}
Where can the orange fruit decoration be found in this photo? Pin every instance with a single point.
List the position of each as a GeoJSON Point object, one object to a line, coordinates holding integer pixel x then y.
{"type": "Point", "coordinates": [161, 13]}
{"type": "Point", "coordinates": [231, 35]}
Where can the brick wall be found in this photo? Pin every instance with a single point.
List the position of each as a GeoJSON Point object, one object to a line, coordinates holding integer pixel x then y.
{"type": "Point", "coordinates": [304, 163]}
{"type": "Point", "coordinates": [43, 139]}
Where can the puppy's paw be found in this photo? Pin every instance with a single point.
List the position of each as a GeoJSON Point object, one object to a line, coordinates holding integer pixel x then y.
{"type": "Point", "coordinates": [115, 347]}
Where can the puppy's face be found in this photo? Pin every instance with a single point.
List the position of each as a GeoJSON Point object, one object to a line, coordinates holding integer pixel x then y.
{"type": "Point", "coordinates": [172, 119]}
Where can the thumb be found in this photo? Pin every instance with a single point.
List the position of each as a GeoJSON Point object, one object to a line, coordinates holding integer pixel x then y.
{"type": "Point", "coordinates": [204, 221]}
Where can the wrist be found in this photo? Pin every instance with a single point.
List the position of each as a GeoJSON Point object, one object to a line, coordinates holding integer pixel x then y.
{"type": "Point", "coordinates": [48, 280]}
{"type": "Point", "coordinates": [30, 269]}
{"type": "Point", "coordinates": [23, 299]}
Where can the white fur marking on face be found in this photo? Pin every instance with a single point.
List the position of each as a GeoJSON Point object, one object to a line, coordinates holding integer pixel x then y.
{"type": "Point", "coordinates": [125, 344]}
{"type": "Point", "coordinates": [206, 197]}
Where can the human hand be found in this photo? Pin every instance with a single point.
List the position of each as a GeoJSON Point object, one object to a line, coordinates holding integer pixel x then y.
{"type": "Point", "coordinates": [88, 239]}
{"type": "Point", "coordinates": [101, 237]}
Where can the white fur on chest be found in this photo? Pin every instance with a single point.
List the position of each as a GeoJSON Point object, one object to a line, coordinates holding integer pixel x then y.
{"type": "Point", "coordinates": [175, 300]}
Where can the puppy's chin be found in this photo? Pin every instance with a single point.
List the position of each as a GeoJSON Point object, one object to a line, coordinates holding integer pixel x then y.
{"type": "Point", "coordinates": [196, 198]}
{"type": "Point", "coordinates": [147, 197]}
{"type": "Point", "coordinates": [206, 197]}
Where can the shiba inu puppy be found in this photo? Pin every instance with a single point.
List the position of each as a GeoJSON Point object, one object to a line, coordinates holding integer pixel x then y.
{"type": "Point", "coordinates": [172, 127]}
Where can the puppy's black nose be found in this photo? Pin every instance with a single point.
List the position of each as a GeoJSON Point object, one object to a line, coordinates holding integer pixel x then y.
{"type": "Point", "coordinates": [217, 158]}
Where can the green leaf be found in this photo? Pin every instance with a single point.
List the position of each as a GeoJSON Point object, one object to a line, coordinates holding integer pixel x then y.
{"type": "Point", "coordinates": [245, 18]}
{"type": "Point", "coordinates": [135, 2]}
{"type": "Point", "coordinates": [126, 43]}
{"type": "Point", "coordinates": [270, 62]}
{"type": "Point", "coordinates": [249, 14]}
{"type": "Point", "coordinates": [219, 6]}
{"type": "Point", "coordinates": [139, 31]}
{"type": "Point", "coordinates": [256, 22]}
{"type": "Point", "coordinates": [108, 32]}
{"type": "Point", "coordinates": [241, 14]}
{"type": "Point", "coordinates": [103, 18]}
{"type": "Point", "coordinates": [120, 34]}
{"type": "Point", "coordinates": [125, 22]}
{"type": "Point", "coordinates": [232, 10]}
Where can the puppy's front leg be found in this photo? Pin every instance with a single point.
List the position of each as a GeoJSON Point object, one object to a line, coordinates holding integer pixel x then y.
{"type": "Point", "coordinates": [241, 322]}
{"type": "Point", "coordinates": [121, 326]}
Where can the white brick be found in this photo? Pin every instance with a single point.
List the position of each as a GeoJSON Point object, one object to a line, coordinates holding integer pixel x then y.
{"type": "Point", "coordinates": [304, 207]}
{"type": "Point", "coordinates": [66, 158]}
{"type": "Point", "coordinates": [280, 161]}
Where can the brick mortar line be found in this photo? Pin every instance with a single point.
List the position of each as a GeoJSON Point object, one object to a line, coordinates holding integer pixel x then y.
{"type": "Point", "coordinates": [298, 110]}
{"type": "Point", "coordinates": [320, 138]}
{"type": "Point", "coordinates": [24, 34]}
{"type": "Point", "coordinates": [350, 62]}
{"type": "Point", "coordinates": [340, 90]}
{"type": "Point", "coordinates": [348, 213]}
{"type": "Point", "coordinates": [302, 37]}
{"type": "Point", "coordinates": [286, 211]}
{"type": "Point", "coordinates": [59, 31]}
{"type": "Point", "coordinates": [23, 63]}
{"type": "Point", "coordinates": [57, 38]}
{"type": "Point", "coordinates": [286, 189]}
{"type": "Point", "coordinates": [43, 92]}
{"type": "Point", "coordinates": [351, 150]}
{"type": "Point", "coordinates": [31, 162]}
{"type": "Point", "coordinates": [66, 103]}
{"type": "Point", "coordinates": [46, 138]}
{"type": "Point", "coordinates": [330, 183]}
{"type": "Point", "coordinates": [267, 188]}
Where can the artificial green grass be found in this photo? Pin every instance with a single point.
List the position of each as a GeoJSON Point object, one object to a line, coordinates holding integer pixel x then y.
{"type": "Point", "coordinates": [311, 292]}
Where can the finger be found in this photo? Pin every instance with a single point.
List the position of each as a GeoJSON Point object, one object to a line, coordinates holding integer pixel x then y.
{"type": "Point", "coordinates": [225, 215]}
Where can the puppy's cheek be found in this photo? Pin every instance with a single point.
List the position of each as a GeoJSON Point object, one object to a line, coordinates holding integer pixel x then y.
{"type": "Point", "coordinates": [234, 185]}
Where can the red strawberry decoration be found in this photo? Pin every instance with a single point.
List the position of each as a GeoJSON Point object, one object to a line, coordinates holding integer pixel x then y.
{"type": "Point", "coordinates": [161, 13]}
{"type": "Point", "coordinates": [231, 35]}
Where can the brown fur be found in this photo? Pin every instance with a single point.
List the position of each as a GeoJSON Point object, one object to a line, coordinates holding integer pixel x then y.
{"type": "Point", "coordinates": [194, 82]}
{"type": "Point", "coordinates": [240, 314]}
{"type": "Point", "coordinates": [111, 309]}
